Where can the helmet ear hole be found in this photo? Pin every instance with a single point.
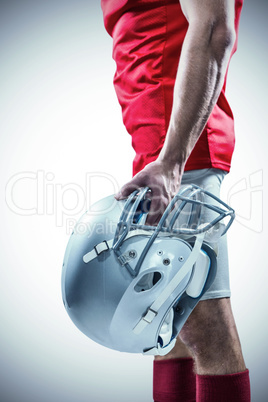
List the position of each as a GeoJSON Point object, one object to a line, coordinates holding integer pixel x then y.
{"type": "Point", "coordinates": [147, 281]}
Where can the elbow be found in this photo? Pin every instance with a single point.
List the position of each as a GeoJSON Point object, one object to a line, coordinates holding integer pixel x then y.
{"type": "Point", "coordinates": [221, 40]}
{"type": "Point", "coordinates": [212, 34]}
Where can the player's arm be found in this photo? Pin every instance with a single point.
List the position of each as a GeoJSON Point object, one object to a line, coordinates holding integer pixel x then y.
{"type": "Point", "coordinates": [203, 63]}
{"type": "Point", "coordinates": [205, 55]}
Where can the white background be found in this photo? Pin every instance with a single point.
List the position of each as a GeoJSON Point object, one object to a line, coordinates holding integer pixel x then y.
{"type": "Point", "coordinates": [63, 146]}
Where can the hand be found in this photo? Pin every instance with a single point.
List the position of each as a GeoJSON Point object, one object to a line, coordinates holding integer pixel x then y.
{"type": "Point", "coordinates": [164, 183]}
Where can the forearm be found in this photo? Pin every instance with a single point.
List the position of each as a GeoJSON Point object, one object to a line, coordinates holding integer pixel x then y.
{"type": "Point", "coordinates": [202, 67]}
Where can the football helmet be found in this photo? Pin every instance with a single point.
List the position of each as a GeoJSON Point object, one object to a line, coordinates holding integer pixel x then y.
{"type": "Point", "coordinates": [130, 286]}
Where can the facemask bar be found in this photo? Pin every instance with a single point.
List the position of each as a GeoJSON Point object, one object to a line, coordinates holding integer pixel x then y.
{"type": "Point", "coordinates": [185, 199]}
{"type": "Point", "coordinates": [188, 195]}
{"type": "Point", "coordinates": [195, 213]}
{"type": "Point", "coordinates": [126, 218]}
{"type": "Point", "coordinates": [125, 223]}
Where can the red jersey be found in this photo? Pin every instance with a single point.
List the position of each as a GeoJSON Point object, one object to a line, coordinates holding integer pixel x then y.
{"type": "Point", "coordinates": [147, 40]}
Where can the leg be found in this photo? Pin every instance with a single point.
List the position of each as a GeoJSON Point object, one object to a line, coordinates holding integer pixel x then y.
{"type": "Point", "coordinates": [174, 378]}
{"type": "Point", "coordinates": [211, 337]}
{"type": "Point", "coordinates": [210, 334]}
{"type": "Point", "coordinates": [180, 350]}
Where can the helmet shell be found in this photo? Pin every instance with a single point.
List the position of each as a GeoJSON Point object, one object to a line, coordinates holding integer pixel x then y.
{"type": "Point", "coordinates": [101, 297]}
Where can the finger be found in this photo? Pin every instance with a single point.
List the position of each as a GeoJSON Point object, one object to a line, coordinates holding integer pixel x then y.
{"type": "Point", "coordinates": [126, 190]}
{"type": "Point", "coordinates": [158, 206]}
{"type": "Point", "coordinates": [153, 219]}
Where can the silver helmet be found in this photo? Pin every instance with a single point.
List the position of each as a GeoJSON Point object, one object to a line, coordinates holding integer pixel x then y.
{"type": "Point", "coordinates": [130, 286]}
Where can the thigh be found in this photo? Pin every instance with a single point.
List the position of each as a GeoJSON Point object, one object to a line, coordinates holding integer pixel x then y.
{"type": "Point", "coordinates": [211, 180]}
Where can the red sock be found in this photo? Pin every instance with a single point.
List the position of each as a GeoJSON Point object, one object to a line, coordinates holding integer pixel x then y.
{"type": "Point", "coordinates": [174, 380]}
{"type": "Point", "coordinates": [223, 388]}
